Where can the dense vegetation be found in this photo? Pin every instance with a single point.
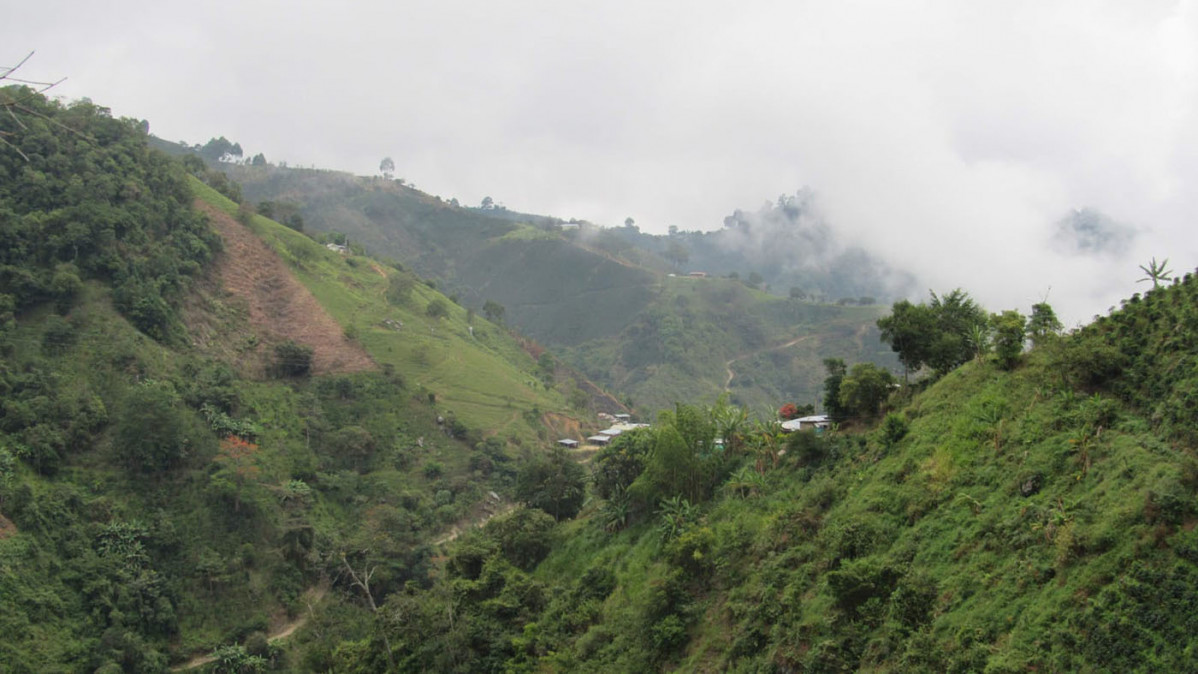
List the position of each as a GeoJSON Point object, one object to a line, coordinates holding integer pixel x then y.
{"type": "Point", "coordinates": [1014, 516]}
{"type": "Point", "coordinates": [85, 198]}
{"type": "Point", "coordinates": [1010, 511]}
{"type": "Point", "coordinates": [156, 499]}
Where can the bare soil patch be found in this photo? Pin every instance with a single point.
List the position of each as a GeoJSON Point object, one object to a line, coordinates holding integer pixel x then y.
{"type": "Point", "coordinates": [279, 307]}
{"type": "Point", "coordinates": [7, 528]}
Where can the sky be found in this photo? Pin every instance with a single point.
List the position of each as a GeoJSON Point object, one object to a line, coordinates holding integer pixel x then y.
{"type": "Point", "coordinates": [946, 137]}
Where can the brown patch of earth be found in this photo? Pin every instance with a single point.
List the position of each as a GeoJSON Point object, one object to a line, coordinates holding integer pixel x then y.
{"type": "Point", "coordinates": [7, 528]}
{"type": "Point", "coordinates": [278, 307]}
{"type": "Point", "coordinates": [561, 426]}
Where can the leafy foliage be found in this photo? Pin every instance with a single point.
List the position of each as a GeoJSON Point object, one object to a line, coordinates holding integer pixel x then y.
{"type": "Point", "coordinates": [91, 201]}
{"type": "Point", "coordinates": [1002, 520]}
{"type": "Point", "coordinates": [554, 484]}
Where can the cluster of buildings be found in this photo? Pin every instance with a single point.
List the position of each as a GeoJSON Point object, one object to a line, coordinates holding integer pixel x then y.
{"type": "Point", "coordinates": [620, 423]}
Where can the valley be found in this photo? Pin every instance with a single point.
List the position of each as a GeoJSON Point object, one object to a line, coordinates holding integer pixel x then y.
{"type": "Point", "coordinates": [329, 442]}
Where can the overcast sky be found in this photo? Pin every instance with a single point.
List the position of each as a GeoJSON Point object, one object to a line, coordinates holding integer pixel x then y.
{"type": "Point", "coordinates": [947, 136]}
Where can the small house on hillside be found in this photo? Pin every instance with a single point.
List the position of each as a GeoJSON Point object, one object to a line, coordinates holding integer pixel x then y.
{"type": "Point", "coordinates": [818, 422]}
{"type": "Point", "coordinates": [697, 274]}
{"type": "Point", "coordinates": [599, 439]}
{"type": "Point", "coordinates": [338, 248]}
{"type": "Point", "coordinates": [568, 443]}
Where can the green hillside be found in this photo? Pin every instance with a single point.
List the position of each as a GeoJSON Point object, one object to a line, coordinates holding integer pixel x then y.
{"type": "Point", "coordinates": [1038, 519]}
{"type": "Point", "coordinates": [475, 369]}
{"type": "Point", "coordinates": [600, 302]}
{"type": "Point", "coordinates": [701, 336]}
{"type": "Point", "coordinates": [177, 479]}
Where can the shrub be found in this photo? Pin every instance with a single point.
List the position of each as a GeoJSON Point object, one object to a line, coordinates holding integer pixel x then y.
{"type": "Point", "coordinates": [437, 308]}
{"type": "Point", "coordinates": [292, 359]}
{"type": "Point", "coordinates": [151, 430]}
{"type": "Point", "coordinates": [894, 428]}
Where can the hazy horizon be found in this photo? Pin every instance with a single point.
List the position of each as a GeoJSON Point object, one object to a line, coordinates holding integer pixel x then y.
{"type": "Point", "coordinates": [948, 140]}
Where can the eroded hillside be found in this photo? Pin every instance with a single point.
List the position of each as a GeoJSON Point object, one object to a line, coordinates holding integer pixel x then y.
{"type": "Point", "coordinates": [277, 307]}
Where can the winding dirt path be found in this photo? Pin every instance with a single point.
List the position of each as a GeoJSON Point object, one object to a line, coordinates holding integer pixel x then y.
{"type": "Point", "coordinates": [776, 347]}
{"type": "Point", "coordinates": [463, 527]}
{"type": "Point", "coordinates": [312, 596]}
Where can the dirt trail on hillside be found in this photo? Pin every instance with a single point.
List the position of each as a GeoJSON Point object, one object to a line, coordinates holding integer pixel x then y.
{"type": "Point", "coordinates": [777, 347]}
{"type": "Point", "coordinates": [280, 308]}
{"type": "Point", "coordinates": [473, 523]}
{"type": "Point", "coordinates": [312, 595]}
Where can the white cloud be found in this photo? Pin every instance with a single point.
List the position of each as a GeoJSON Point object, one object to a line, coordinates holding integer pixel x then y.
{"type": "Point", "coordinates": [947, 136]}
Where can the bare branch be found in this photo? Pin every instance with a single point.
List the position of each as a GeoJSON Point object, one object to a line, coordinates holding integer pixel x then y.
{"type": "Point", "coordinates": [10, 70]}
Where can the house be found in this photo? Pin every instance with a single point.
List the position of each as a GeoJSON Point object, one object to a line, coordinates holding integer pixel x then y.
{"type": "Point", "coordinates": [819, 422]}
{"type": "Point", "coordinates": [624, 418]}
{"type": "Point", "coordinates": [338, 248]}
{"type": "Point", "coordinates": [599, 439]}
{"type": "Point", "coordinates": [697, 274]}
{"type": "Point", "coordinates": [568, 443]}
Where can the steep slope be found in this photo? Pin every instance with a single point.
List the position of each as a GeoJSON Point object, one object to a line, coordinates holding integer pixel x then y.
{"type": "Point", "coordinates": [1040, 519]}
{"type": "Point", "coordinates": [278, 307]}
{"type": "Point", "coordinates": [652, 337]}
{"type": "Point", "coordinates": [472, 367]}
{"type": "Point", "coordinates": [163, 493]}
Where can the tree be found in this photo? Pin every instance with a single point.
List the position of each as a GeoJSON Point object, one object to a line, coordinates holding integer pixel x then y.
{"type": "Point", "coordinates": [1156, 273]}
{"type": "Point", "coordinates": [292, 359]}
{"type": "Point", "coordinates": [387, 167]}
{"type": "Point", "coordinates": [437, 308]}
{"type": "Point", "coordinates": [14, 106]}
{"type": "Point", "coordinates": [1043, 324]}
{"type": "Point", "coordinates": [553, 483]}
{"type": "Point", "coordinates": [864, 389]}
{"type": "Point", "coordinates": [488, 203]}
{"type": "Point", "coordinates": [836, 371]}
{"type": "Point", "coordinates": [908, 330]}
{"type": "Point", "coordinates": [494, 311]}
{"type": "Point", "coordinates": [151, 430]}
{"type": "Point", "coordinates": [956, 315]}
{"type": "Point", "coordinates": [796, 293]}
{"type": "Point", "coordinates": [258, 160]}
{"type": "Point", "coordinates": [942, 334]}
{"type": "Point", "coordinates": [629, 223]}
{"type": "Point", "coordinates": [617, 465]}
{"type": "Point", "coordinates": [677, 253]}
{"type": "Point", "coordinates": [1009, 334]}
{"type": "Point", "coordinates": [399, 287]}
{"type": "Point", "coordinates": [547, 368]}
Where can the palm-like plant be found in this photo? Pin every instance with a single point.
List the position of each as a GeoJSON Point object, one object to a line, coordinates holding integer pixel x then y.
{"type": "Point", "coordinates": [765, 443]}
{"type": "Point", "coordinates": [730, 421]}
{"type": "Point", "coordinates": [1156, 273]}
{"type": "Point", "coordinates": [676, 514]}
{"type": "Point", "coordinates": [746, 482]}
{"type": "Point", "coordinates": [614, 513]}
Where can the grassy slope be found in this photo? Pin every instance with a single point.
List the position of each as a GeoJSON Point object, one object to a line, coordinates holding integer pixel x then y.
{"type": "Point", "coordinates": [1020, 525]}
{"type": "Point", "coordinates": [604, 313]}
{"type": "Point", "coordinates": [486, 380]}
{"type": "Point", "coordinates": [679, 348]}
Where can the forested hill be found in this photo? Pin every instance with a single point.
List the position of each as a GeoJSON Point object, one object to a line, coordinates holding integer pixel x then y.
{"type": "Point", "coordinates": [620, 314]}
{"type": "Point", "coordinates": [1025, 513]}
{"type": "Point", "coordinates": [206, 439]}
